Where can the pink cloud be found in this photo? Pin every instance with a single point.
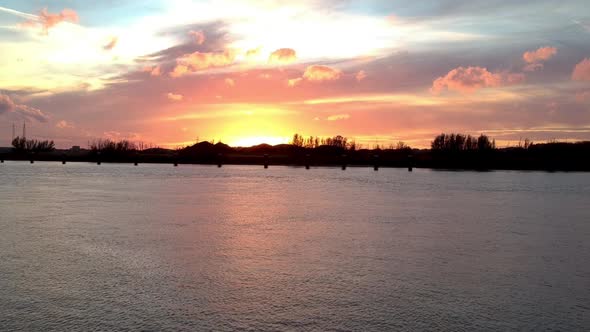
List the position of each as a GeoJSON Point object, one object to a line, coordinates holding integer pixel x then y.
{"type": "Point", "coordinates": [361, 75]}
{"type": "Point", "coordinates": [470, 79]}
{"type": "Point", "coordinates": [583, 96]}
{"type": "Point", "coordinates": [63, 124]}
{"type": "Point", "coordinates": [174, 96]}
{"type": "Point", "coordinates": [200, 61]}
{"type": "Point", "coordinates": [319, 73]}
{"type": "Point", "coordinates": [154, 71]}
{"type": "Point", "coordinates": [541, 54]}
{"type": "Point", "coordinates": [512, 78]}
{"type": "Point", "coordinates": [112, 43]}
{"type": "Point", "coordinates": [283, 55]}
{"type": "Point", "coordinates": [7, 105]}
{"type": "Point", "coordinates": [582, 71]}
{"type": "Point", "coordinates": [48, 20]}
{"type": "Point", "coordinates": [199, 36]}
{"type": "Point", "coordinates": [230, 82]}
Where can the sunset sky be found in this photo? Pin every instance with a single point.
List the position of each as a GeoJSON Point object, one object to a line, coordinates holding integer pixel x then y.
{"type": "Point", "coordinates": [243, 71]}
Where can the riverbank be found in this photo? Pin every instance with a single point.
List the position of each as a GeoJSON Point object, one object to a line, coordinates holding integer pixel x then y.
{"type": "Point", "coordinates": [546, 157]}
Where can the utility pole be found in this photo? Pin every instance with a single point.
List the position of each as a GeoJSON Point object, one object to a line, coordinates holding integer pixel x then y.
{"type": "Point", "coordinates": [24, 129]}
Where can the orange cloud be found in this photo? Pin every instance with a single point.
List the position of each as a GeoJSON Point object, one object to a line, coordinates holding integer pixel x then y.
{"type": "Point", "coordinates": [199, 36]}
{"type": "Point", "coordinates": [283, 55]}
{"type": "Point", "coordinates": [111, 44]}
{"type": "Point", "coordinates": [338, 117]}
{"type": "Point", "coordinates": [542, 54]}
{"type": "Point", "coordinates": [48, 20]}
{"type": "Point", "coordinates": [174, 97]}
{"type": "Point", "coordinates": [470, 79]}
{"type": "Point", "coordinates": [230, 82]}
{"type": "Point", "coordinates": [319, 73]}
{"type": "Point", "coordinates": [200, 61]}
{"type": "Point", "coordinates": [582, 71]}
{"type": "Point", "coordinates": [294, 82]}
{"type": "Point", "coordinates": [179, 71]}
{"type": "Point", "coordinates": [361, 75]}
{"type": "Point", "coordinates": [253, 52]}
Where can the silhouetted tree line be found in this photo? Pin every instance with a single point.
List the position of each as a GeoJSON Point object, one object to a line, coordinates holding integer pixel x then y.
{"type": "Point", "coordinates": [448, 151]}
{"type": "Point", "coordinates": [461, 142]}
{"type": "Point", "coordinates": [313, 142]}
{"type": "Point", "coordinates": [110, 147]}
{"type": "Point", "coordinates": [22, 144]}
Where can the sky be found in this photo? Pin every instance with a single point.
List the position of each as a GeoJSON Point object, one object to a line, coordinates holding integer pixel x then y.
{"type": "Point", "coordinates": [244, 72]}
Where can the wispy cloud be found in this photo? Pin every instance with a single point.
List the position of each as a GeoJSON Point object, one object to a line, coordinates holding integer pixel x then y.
{"type": "Point", "coordinates": [18, 13]}
{"type": "Point", "coordinates": [7, 105]}
{"type": "Point", "coordinates": [174, 96]}
{"type": "Point", "coordinates": [337, 117]}
{"type": "Point", "coordinates": [63, 124]}
{"type": "Point", "coordinates": [361, 75]}
{"type": "Point", "coordinates": [153, 70]}
{"type": "Point", "coordinates": [198, 36]}
{"type": "Point", "coordinates": [111, 44]}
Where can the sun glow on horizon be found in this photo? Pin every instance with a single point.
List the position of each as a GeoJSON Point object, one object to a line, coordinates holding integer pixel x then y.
{"type": "Point", "coordinates": [257, 140]}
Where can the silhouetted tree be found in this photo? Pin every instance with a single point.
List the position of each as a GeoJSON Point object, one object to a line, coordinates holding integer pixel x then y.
{"type": "Point", "coordinates": [460, 142]}
{"type": "Point", "coordinates": [484, 143]}
{"type": "Point", "coordinates": [109, 147]}
{"type": "Point", "coordinates": [21, 144]}
{"type": "Point", "coordinates": [402, 146]}
{"type": "Point", "coordinates": [297, 140]}
{"type": "Point", "coordinates": [527, 144]}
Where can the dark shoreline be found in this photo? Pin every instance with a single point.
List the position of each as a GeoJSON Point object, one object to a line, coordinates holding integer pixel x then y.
{"type": "Point", "coordinates": [372, 159]}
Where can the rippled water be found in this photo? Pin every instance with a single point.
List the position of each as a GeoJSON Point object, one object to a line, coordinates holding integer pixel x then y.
{"type": "Point", "coordinates": [154, 247]}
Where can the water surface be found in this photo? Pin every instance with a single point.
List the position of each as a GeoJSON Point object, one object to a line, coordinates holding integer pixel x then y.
{"type": "Point", "coordinates": [156, 247]}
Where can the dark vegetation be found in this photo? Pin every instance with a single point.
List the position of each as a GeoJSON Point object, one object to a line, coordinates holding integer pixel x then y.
{"type": "Point", "coordinates": [23, 145]}
{"type": "Point", "coordinates": [448, 151]}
